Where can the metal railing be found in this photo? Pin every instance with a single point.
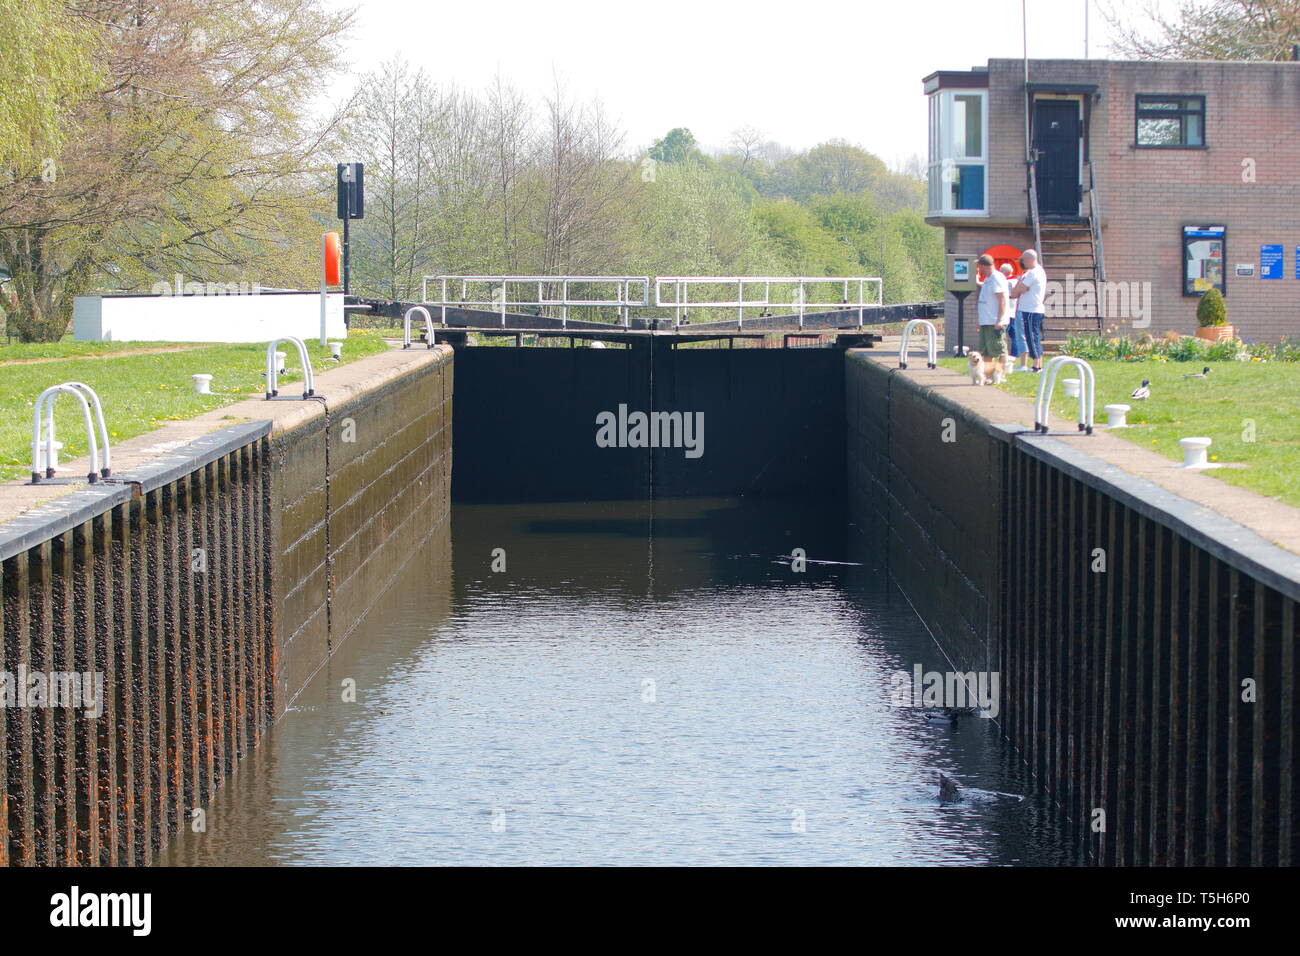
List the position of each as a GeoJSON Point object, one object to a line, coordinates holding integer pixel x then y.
{"type": "Point", "coordinates": [537, 292]}
{"type": "Point", "coordinates": [272, 370]}
{"type": "Point", "coordinates": [931, 343]}
{"type": "Point", "coordinates": [1094, 223]}
{"type": "Point", "coordinates": [1033, 212]}
{"type": "Point", "coordinates": [674, 292]}
{"type": "Point", "coordinates": [1047, 381]}
{"type": "Point", "coordinates": [428, 326]}
{"type": "Point", "coordinates": [45, 457]}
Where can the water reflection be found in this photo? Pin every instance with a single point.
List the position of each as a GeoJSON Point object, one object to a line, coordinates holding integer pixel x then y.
{"type": "Point", "coordinates": [642, 684]}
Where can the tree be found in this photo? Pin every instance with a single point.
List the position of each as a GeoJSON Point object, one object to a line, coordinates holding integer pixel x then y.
{"type": "Point", "coordinates": [194, 154]}
{"type": "Point", "coordinates": [676, 147]}
{"type": "Point", "coordinates": [47, 49]}
{"type": "Point", "coordinates": [1209, 30]}
{"type": "Point", "coordinates": [584, 193]}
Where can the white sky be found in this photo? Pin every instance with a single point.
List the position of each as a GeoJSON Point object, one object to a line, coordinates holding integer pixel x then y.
{"type": "Point", "coordinates": [801, 71]}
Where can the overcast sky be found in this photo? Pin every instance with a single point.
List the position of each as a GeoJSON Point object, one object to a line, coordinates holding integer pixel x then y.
{"type": "Point", "coordinates": [801, 71]}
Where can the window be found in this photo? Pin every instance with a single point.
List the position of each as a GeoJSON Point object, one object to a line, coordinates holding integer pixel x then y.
{"type": "Point", "coordinates": [958, 153]}
{"type": "Point", "coordinates": [1170, 122]}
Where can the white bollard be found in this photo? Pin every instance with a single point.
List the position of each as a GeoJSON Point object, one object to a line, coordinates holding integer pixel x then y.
{"type": "Point", "coordinates": [336, 350]}
{"type": "Point", "coordinates": [1195, 451]}
{"type": "Point", "coordinates": [279, 363]}
{"type": "Point", "coordinates": [202, 383]}
{"type": "Point", "coordinates": [1117, 416]}
{"type": "Point", "coordinates": [53, 463]}
{"type": "Point", "coordinates": [1071, 386]}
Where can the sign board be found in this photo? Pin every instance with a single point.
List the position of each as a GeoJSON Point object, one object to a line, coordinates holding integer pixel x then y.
{"type": "Point", "coordinates": [960, 274]}
{"type": "Point", "coordinates": [1270, 262]}
{"type": "Point", "coordinates": [1245, 270]}
{"type": "Point", "coordinates": [351, 183]}
{"type": "Point", "coordinates": [1204, 253]}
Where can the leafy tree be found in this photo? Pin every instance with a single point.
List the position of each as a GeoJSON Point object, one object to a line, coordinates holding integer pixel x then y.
{"type": "Point", "coordinates": [1208, 30]}
{"type": "Point", "coordinates": [47, 49]}
{"type": "Point", "coordinates": [677, 147]}
{"type": "Point", "coordinates": [195, 154]}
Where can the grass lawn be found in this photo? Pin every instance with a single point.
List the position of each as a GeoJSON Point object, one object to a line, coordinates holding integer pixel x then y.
{"type": "Point", "coordinates": [1237, 399]}
{"type": "Point", "coordinates": [139, 392]}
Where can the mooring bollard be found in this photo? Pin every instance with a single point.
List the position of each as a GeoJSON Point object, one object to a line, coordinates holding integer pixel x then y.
{"type": "Point", "coordinates": [279, 363]}
{"type": "Point", "coordinates": [1071, 386]}
{"type": "Point", "coordinates": [1195, 451]}
{"type": "Point", "coordinates": [50, 456]}
{"type": "Point", "coordinates": [1117, 416]}
{"type": "Point", "coordinates": [202, 383]}
{"type": "Point", "coordinates": [336, 351]}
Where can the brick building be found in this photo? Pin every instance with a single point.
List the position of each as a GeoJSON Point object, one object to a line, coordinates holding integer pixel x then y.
{"type": "Point", "coordinates": [1154, 180]}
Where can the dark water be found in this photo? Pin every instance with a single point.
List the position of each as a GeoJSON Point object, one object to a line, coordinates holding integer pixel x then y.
{"type": "Point", "coordinates": [637, 687]}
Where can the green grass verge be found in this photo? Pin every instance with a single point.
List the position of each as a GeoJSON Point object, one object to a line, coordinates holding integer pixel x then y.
{"type": "Point", "coordinates": [1250, 409]}
{"type": "Point", "coordinates": [69, 348]}
{"type": "Point", "coordinates": [139, 392]}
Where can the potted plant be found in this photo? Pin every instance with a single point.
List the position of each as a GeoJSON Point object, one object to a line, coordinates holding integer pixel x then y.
{"type": "Point", "coordinates": [1212, 318]}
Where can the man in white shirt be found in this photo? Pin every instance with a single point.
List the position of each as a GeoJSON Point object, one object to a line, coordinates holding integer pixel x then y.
{"type": "Point", "coordinates": [994, 307]}
{"type": "Point", "coordinates": [1030, 293]}
{"type": "Point", "coordinates": [1015, 335]}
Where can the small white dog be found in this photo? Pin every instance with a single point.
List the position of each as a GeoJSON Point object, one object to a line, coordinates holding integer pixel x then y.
{"type": "Point", "coordinates": [983, 371]}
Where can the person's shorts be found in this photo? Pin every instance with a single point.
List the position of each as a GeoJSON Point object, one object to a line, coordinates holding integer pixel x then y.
{"type": "Point", "coordinates": [993, 341]}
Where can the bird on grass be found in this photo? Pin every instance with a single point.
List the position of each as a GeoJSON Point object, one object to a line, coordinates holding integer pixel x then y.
{"type": "Point", "coordinates": [1143, 391]}
{"type": "Point", "coordinates": [1203, 373]}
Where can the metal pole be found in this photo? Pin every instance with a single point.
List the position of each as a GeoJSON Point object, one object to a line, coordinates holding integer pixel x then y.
{"type": "Point", "coordinates": [347, 199]}
{"type": "Point", "coordinates": [1087, 17]}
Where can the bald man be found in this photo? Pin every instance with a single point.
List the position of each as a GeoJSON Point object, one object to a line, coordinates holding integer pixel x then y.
{"type": "Point", "coordinates": [1030, 294]}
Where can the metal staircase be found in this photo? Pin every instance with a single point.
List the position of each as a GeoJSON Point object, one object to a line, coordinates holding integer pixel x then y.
{"type": "Point", "coordinates": [1071, 247]}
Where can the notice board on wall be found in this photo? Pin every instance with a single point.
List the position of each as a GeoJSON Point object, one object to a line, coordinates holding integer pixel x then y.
{"type": "Point", "coordinates": [1271, 258]}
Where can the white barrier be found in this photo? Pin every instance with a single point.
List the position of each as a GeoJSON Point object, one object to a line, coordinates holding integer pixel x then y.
{"type": "Point", "coordinates": [253, 317]}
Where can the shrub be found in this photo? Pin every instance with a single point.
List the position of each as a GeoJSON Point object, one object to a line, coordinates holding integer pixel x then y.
{"type": "Point", "coordinates": [1186, 350]}
{"type": "Point", "coordinates": [1090, 348]}
{"type": "Point", "coordinates": [1229, 350]}
{"type": "Point", "coordinates": [1212, 310]}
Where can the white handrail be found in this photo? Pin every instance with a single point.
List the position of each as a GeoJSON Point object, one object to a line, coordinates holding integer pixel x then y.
{"type": "Point", "coordinates": [624, 297]}
{"type": "Point", "coordinates": [1047, 382]}
{"type": "Point", "coordinates": [406, 326]}
{"type": "Point", "coordinates": [46, 400]}
{"type": "Point", "coordinates": [308, 380]}
{"type": "Point", "coordinates": [931, 338]}
{"type": "Point", "coordinates": [106, 465]}
{"type": "Point", "coordinates": [679, 300]}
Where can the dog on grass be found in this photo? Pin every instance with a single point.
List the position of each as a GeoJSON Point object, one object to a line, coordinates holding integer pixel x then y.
{"type": "Point", "coordinates": [983, 371]}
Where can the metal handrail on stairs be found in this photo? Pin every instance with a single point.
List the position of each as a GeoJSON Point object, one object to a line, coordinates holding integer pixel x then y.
{"type": "Point", "coordinates": [1033, 211]}
{"type": "Point", "coordinates": [1094, 223]}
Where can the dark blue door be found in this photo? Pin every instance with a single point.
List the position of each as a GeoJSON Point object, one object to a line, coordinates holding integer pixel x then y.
{"type": "Point", "coordinates": [1056, 138]}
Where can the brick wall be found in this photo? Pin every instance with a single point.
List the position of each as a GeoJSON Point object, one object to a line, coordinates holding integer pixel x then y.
{"type": "Point", "coordinates": [1147, 196]}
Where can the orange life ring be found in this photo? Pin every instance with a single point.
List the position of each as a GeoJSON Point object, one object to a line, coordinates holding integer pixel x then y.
{"type": "Point", "coordinates": [1004, 255]}
{"type": "Point", "coordinates": [333, 254]}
